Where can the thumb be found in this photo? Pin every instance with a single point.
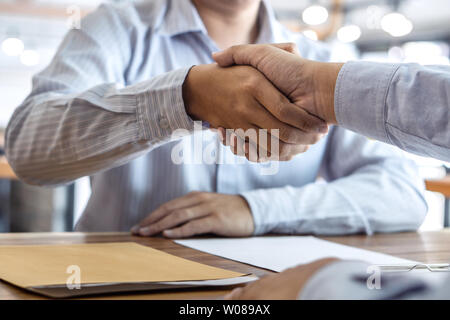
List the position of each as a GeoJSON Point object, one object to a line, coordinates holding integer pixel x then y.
{"type": "Point", "coordinates": [234, 55]}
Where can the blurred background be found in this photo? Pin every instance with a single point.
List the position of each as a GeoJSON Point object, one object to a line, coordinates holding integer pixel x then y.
{"type": "Point", "coordinates": [376, 30]}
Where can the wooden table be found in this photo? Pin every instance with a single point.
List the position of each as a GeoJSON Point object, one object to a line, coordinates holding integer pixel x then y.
{"type": "Point", "coordinates": [431, 247]}
{"type": "Point", "coordinates": [442, 186]}
{"type": "Point", "coordinates": [5, 170]}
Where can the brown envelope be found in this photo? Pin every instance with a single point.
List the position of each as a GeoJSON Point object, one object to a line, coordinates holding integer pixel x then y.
{"type": "Point", "coordinates": [104, 267]}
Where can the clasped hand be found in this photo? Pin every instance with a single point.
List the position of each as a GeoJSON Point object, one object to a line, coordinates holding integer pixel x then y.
{"type": "Point", "coordinates": [260, 87]}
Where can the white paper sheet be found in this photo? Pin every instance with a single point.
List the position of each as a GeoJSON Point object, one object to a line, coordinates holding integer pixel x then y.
{"type": "Point", "coordinates": [280, 253]}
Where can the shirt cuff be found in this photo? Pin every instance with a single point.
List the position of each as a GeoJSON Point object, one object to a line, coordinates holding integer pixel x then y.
{"type": "Point", "coordinates": [267, 210]}
{"type": "Point", "coordinates": [360, 97]}
{"type": "Point", "coordinates": [160, 108]}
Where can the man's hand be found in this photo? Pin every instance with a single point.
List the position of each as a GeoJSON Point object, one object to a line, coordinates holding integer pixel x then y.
{"type": "Point", "coordinates": [199, 213]}
{"type": "Point", "coordinates": [281, 286]}
{"type": "Point", "coordinates": [241, 97]}
{"type": "Point", "coordinates": [308, 84]}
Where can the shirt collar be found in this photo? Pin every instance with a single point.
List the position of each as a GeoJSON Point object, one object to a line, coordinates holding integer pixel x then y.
{"type": "Point", "coordinates": [182, 17]}
{"type": "Point", "coordinates": [269, 25]}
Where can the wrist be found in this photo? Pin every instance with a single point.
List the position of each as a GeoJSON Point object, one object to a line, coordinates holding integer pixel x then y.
{"type": "Point", "coordinates": [325, 84]}
{"type": "Point", "coordinates": [189, 94]}
{"type": "Point", "coordinates": [196, 93]}
{"type": "Point", "coordinates": [250, 223]}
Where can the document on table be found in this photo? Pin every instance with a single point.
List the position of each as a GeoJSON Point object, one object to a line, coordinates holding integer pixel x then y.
{"type": "Point", "coordinates": [280, 253]}
{"type": "Point", "coordinates": [105, 268]}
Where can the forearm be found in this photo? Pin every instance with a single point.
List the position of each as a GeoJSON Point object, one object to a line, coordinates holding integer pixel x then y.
{"type": "Point", "coordinates": [54, 138]}
{"type": "Point", "coordinates": [404, 105]}
{"type": "Point", "coordinates": [365, 201]}
{"type": "Point", "coordinates": [312, 209]}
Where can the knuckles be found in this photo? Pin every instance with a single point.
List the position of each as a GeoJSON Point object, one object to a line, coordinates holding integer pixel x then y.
{"type": "Point", "coordinates": [289, 135]}
{"type": "Point", "coordinates": [309, 125]}
{"type": "Point", "coordinates": [181, 214]}
{"type": "Point", "coordinates": [291, 47]}
{"type": "Point", "coordinates": [250, 85]}
{"type": "Point", "coordinates": [201, 196]}
{"type": "Point", "coordinates": [283, 112]}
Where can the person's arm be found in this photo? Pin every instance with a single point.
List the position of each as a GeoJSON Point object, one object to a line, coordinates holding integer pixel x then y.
{"type": "Point", "coordinates": [365, 181]}
{"type": "Point", "coordinates": [84, 115]}
{"type": "Point", "coordinates": [352, 280]}
{"type": "Point", "coordinates": [78, 121]}
{"type": "Point", "coordinates": [333, 279]}
{"type": "Point", "coordinates": [406, 105]}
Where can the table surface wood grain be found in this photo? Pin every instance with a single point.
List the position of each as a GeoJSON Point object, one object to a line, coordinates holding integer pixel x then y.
{"type": "Point", "coordinates": [428, 247]}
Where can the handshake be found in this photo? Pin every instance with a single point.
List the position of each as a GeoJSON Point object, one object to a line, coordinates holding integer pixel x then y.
{"type": "Point", "coordinates": [266, 102]}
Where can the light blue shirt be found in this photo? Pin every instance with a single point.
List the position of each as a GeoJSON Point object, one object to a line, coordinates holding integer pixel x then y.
{"type": "Point", "coordinates": [107, 107]}
{"type": "Point", "coordinates": [406, 105]}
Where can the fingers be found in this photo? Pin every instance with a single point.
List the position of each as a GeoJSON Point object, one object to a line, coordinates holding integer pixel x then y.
{"type": "Point", "coordinates": [266, 148]}
{"type": "Point", "coordinates": [251, 54]}
{"type": "Point", "coordinates": [234, 55]}
{"type": "Point", "coordinates": [251, 153]}
{"type": "Point", "coordinates": [236, 144]}
{"type": "Point", "coordinates": [188, 200]}
{"type": "Point", "coordinates": [285, 132]}
{"type": "Point", "coordinates": [287, 113]}
{"type": "Point", "coordinates": [287, 153]}
{"type": "Point", "coordinates": [192, 228]}
{"type": "Point", "coordinates": [226, 215]}
{"type": "Point", "coordinates": [243, 55]}
{"type": "Point", "coordinates": [236, 139]}
{"type": "Point", "coordinates": [243, 147]}
{"type": "Point", "coordinates": [297, 117]}
{"type": "Point", "coordinates": [270, 105]}
{"type": "Point", "coordinates": [175, 218]}
{"type": "Point", "coordinates": [284, 152]}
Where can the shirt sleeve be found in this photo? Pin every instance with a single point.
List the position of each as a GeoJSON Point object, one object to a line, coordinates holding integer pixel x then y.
{"type": "Point", "coordinates": [364, 178]}
{"type": "Point", "coordinates": [82, 118]}
{"type": "Point", "coordinates": [353, 280]}
{"type": "Point", "coordinates": [406, 105]}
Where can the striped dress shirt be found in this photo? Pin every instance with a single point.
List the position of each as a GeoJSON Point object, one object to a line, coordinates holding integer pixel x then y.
{"type": "Point", "coordinates": [109, 104]}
